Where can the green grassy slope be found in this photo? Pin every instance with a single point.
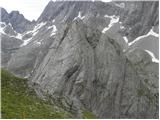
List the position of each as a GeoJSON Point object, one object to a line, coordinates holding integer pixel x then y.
{"type": "Point", "coordinates": [18, 101]}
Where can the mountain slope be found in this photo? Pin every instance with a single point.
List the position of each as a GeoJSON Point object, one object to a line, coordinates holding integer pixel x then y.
{"type": "Point", "coordinates": [19, 101]}
{"type": "Point", "coordinates": [94, 55]}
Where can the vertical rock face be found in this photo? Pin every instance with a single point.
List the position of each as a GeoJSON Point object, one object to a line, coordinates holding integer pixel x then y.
{"type": "Point", "coordinates": [146, 74]}
{"type": "Point", "coordinates": [99, 77]}
{"type": "Point", "coordinates": [77, 55]}
{"type": "Point", "coordinates": [140, 17]}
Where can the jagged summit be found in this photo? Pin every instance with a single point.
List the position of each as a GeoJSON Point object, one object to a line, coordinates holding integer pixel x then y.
{"type": "Point", "coordinates": [17, 20]}
{"type": "Point", "coordinates": [70, 9]}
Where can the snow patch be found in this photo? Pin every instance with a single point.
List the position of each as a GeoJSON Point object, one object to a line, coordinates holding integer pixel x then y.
{"type": "Point", "coordinates": [18, 36]}
{"type": "Point", "coordinates": [121, 5]}
{"type": "Point", "coordinates": [122, 27]}
{"type": "Point", "coordinates": [151, 32]}
{"type": "Point", "coordinates": [50, 27]}
{"type": "Point", "coordinates": [79, 16]}
{"type": "Point", "coordinates": [64, 19]}
{"type": "Point", "coordinates": [25, 42]}
{"type": "Point", "coordinates": [33, 32]}
{"type": "Point", "coordinates": [36, 28]}
{"type": "Point", "coordinates": [154, 59]}
{"type": "Point", "coordinates": [2, 23]}
{"type": "Point", "coordinates": [38, 43]}
{"type": "Point", "coordinates": [10, 25]}
{"type": "Point", "coordinates": [114, 19]}
{"type": "Point", "coordinates": [54, 30]}
{"type": "Point", "coordinates": [105, 29]}
{"type": "Point", "coordinates": [2, 27]}
{"type": "Point", "coordinates": [125, 39]}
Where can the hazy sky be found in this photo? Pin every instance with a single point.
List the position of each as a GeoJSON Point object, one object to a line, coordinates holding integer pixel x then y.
{"type": "Point", "coordinates": [31, 9]}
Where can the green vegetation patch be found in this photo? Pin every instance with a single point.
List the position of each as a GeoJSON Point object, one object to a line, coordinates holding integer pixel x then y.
{"type": "Point", "coordinates": [141, 92]}
{"type": "Point", "coordinates": [19, 101]}
{"type": "Point", "coordinates": [88, 115]}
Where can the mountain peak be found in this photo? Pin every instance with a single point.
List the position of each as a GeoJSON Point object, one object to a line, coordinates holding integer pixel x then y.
{"type": "Point", "coordinates": [16, 19]}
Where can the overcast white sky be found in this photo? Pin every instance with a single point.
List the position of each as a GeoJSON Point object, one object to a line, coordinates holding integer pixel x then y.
{"type": "Point", "coordinates": [31, 9]}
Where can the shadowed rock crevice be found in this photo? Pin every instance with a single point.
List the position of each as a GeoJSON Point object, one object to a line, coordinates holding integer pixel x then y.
{"type": "Point", "coordinates": [93, 37]}
{"type": "Point", "coordinates": [71, 71]}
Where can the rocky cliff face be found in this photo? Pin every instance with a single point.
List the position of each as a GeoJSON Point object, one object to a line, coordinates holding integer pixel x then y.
{"type": "Point", "coordinates": [138, 18]}
{"type": "Point", "coordinates": [94, 55]}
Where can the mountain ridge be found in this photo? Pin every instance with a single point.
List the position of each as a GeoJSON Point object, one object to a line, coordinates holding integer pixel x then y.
{"type": "Point", "coordinates": [16, 19]}
{"type": "Point", "coordinates": [86, 54]}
